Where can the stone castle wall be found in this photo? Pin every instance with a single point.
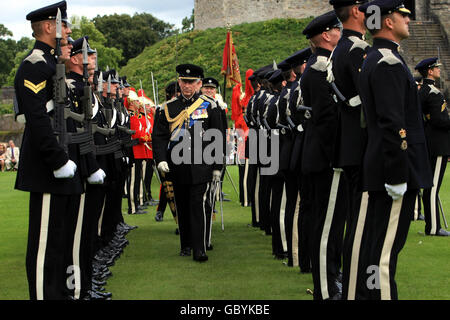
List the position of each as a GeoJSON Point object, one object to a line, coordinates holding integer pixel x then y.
{"type": "Point", "coordinates": [220, 13]}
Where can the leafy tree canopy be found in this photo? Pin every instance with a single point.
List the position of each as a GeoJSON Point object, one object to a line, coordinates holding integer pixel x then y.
{"type": "Point", "coordinates": [132, 34]}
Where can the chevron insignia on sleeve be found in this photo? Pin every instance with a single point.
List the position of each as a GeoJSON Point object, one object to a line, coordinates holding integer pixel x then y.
{"type": "Point", "coordinates": [35, 87]}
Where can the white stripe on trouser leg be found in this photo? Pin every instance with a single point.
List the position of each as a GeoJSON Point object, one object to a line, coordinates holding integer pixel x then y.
{"type": "Point", "coordinates": [326, 233]}
{"type": "Point", "coordinates": [354, 260]}
{"type": "Point", "coordinates": [141, 184]}
{"type": "Point", "coordinates": [416, 208]}
{"type": "Point", "coordinates": [131, 195]}
{"type": "Point", "coordinates": [204, 217]}
{"type": "Point", "coordinates": [244, 183]}
{"type": "Point", "coordinates": [433, 209]}
{"type": "Point", "coordinates": [76, 248]}
{"type": "Point", "coordinates": [282, 214]}
{"type": "Point", "coordinates": [295, 259]}
{"type": "Point", "coordinates": [45, 215]}
{"type": "Point", "coordinates": [100, 220]}
{"type": "Point", "coordinates": [257, 196]}
{"type": "Point", "coordinates": [389, 239]}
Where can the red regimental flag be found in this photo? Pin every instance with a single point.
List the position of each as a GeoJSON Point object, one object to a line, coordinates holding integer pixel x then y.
{"type": "Point", "coordinates": [230, 63]}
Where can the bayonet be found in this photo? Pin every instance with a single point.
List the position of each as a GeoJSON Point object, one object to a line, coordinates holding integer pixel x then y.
{"type": "Point", "coordinates": [58, 33]}
{"type": "Point", "coordinates": [85, 61]}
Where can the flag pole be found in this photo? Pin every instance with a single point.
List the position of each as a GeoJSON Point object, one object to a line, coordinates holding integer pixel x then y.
{"type": "Point", "coordinates": [225, 75]}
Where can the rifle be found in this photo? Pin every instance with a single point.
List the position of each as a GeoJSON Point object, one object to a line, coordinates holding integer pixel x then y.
{"type": "Point", "coordinates": [62, 107]}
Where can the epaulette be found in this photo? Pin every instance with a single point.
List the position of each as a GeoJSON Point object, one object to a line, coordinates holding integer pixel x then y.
{"type": "Point", "coordinates": [321, 64]}
{"type": "Point", "coordinates": [433, 89]}
{"type": "Point", "coordinates": [163, 106]}
{"type": "Point", "coordinates": [388, 57]}
{"type": "Point", "coordinates": [210, 100]}
{"type": "Point", "coordinates": [358, 43]}
{"type": "Point", "coordinates": [36, 56]}
{"type": "Point", "coordinates": [70, 84]}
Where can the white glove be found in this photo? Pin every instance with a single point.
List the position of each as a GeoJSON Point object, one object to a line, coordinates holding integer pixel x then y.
{"type": "Point", "coordinates": [98, 177]}
{"type": "Point", "coordinates": [66, 171]}
{"type": "Point", "coordinates": [396, 191]}
{"type": "Point", "coordinates": [216, 175]}
{"type": "Point", "coordinates": [163, 167]}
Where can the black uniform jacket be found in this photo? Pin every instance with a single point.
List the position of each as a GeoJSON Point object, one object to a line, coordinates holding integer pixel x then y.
{"type": "Point", "coordinates": [75, 83]}
{"type": "Point", "coordinates": [320, 133]}
{"type": "Point", "coordinates": [40, 152]}
{"type": "Point", "coordinates": [396, 150]}
{"type": "Point", "coordinates": [209, 115]}
{"type": "Point", "coordinates": [347, 59]}
{"type": "Point", "coordinates": [437, 121]}
{"type": "Point", "coordinates": [298, 123]}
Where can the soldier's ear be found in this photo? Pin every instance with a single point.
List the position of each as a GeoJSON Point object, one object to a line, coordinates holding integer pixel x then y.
{"type": "Point", "coordinates": [48, 27]}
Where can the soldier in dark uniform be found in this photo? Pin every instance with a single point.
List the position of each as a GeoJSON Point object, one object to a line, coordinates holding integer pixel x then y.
{"type": "Point", "coordinates": [437, 131]}
{"type": "Point", "coordinates": [396, 161]}
{"type": "Point", "coordinates": [347, 60]}
{"type": "Point", "coordinates": [252, 167]}
{"type": "Point", "coordinates": [46, 170]}
{"type": "Point", "coordinates": [289, 122]}
{"type": "Point", "coordinates": [317, 157]}
{"type": "Point", "coordinates": [182, 119]}
{"type": "Point", "coordinates": [263, 180]}
{"type": "Point", "coordinates": [95, 166]}
{"type": "Point", "coordinates": [277, 185]}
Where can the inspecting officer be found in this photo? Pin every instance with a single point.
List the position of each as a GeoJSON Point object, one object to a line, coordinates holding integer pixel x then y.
{"type": "Point", "coordinates": [181, 123]}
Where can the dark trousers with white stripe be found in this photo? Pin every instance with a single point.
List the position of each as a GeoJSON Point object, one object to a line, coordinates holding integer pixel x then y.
{"type": "Point", "coordinates": [148, 178]}
{"type": "Point", "coordinates": [265, 182]}
{"type": "Point", "coordinates": [112, 214]}
{"type": "Point", "coordinates": [94, 206]}
{"type": "Point", "coordinates": [241, 168]}
{"type": "Point", "coordinates": [305, 223]}
{"type": "Point", "coordinates": [328, 232]}
{"type": "Point", "coordinates": [251, 187]}
{"type": "Point", "coordinates": [134, 186]}
{"type": "Point", "coordinates": [385, 232]}
{"type": "Point", "coordinates": [49, 255]}
{"type": "Point", "coordinates": [354, 196]}
{"type": "Point", "coordinates": [276, 188]}
{"type": "Point", "coordinates": [191, 209]}
{"type": "Point", "coordinates": [291, 203]}
{"type": "Point", "coordinates": [430, 196]}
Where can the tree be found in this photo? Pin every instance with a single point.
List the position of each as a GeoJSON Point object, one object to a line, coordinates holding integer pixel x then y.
{"type": "Point", "coordinates": [188, 23]}
{"type": "Point", "coordinates": [8, 50]}
{"type": "Point", "coordinates": [132, 34]}
{"type": "Point", "coordinates": [107, 56]}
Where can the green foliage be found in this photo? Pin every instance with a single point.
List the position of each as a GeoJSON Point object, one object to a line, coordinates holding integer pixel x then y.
{"type": "Point", "coordinates": [132, 34]}
{"type": "Point", "coordinates": [188, 23]}
{"type": "Point", "coordinates": [107, 56]}
{"type": "Point", "coordinates": [257, 44]}
{"type": "Point", "coordinates": [17, 61]}
{"type": "Point", "coordinates": [8, 50]}
{"type": "Point", "coordinates": [6, 108]}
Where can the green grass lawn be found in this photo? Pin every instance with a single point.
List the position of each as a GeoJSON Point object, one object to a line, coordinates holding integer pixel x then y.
{"type": "Point", "coordinates": [240, 267]}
